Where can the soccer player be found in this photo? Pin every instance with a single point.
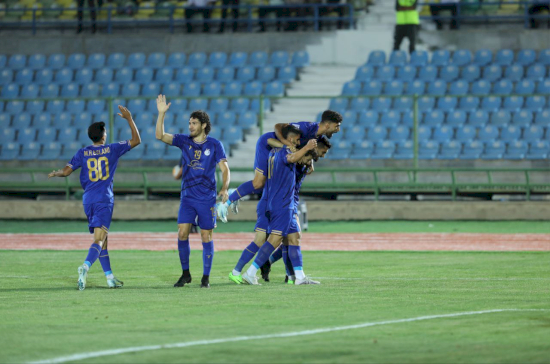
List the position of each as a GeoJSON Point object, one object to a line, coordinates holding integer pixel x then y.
{"type": "Point", "coordinates": [280, 189]}
{"type": "Point", "coordinates": [201, 153]}
{"type": "Point", "coordinates": [329, 125]}
{"type": "Point", "coordinates": [99, 162]}
{"type": "Point", "coordinates": [289, 132]}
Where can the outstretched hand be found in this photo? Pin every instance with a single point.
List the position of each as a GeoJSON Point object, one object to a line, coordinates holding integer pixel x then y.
{"type": "Point", "coordinates": [224, 195]}
{"type": "Point", "coordinates": [161, 104]}
{"type": "Point", "coordinates": [53, 173]}
{"type": "Point", "coordinates": [124, 113]}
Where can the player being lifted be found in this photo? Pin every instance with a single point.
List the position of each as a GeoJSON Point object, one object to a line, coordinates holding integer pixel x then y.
{"type": "Point", "coordinates": [329, 125]}
{"type": "Point", "coordinates": [98, 163]}
{"type": "Point", "coordinates": [200, 153]}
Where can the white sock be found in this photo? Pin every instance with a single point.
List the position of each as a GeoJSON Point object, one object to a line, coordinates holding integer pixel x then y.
{"type": "Point", "coordinates": [236, 272]}
{"type": "Point", "coordinates": [299, 274]}
{"type": "Point", "coordinates": [110, 276]}
{"type": "Point", "coordinates": [252, 270]}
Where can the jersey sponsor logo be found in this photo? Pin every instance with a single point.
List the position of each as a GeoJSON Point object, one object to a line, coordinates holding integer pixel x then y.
{"type": "Point", "coordinates": [207, 152]}
{"type": "Point", "coordinates": [296, 125]}
{"type": "Point", "coordinates": [195, 164]}
{"type": "Point", "coordinates": [123, 142]}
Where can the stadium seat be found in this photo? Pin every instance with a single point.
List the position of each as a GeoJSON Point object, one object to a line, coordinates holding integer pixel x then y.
{"type": "Point", "coordinates": [385, 73]}
{"type": "Point", "coordinates": [75, 106]}
{"type": "Point", "coordinates": [500, 118]}
{"type": "Point", "coordinates": [225, 74]}
{"type": "Point", "coordinates": [10, 151]}
{"type": "Point", "coordinates": [150, 90]}
{"type": "Point", "coordinates": [427, 73]}
{"type": "Point", "coordinates": [76, 61]}
{"type": "Point", "coordinates": [124, 75]}
{"type": "Point", "coordinates": [24, 76]}
{"type": "Point", "coordinates": [5, 120]}
{"type": "Point", "coordinates": [192, 89]}
{"type": "Point", "coordinates": [450, 150]}
{"type": "Point", "coordinates": [472, 150]}
{"type": "Point", "coordinates": [65, 119]}
{"type": "Point", "coordinates": [488, 134]}
{"type": "Point", "coordinates": [46, 135]}
{"type": "Point", "coordinates": [184, 75]}
{"type": "Point", "coordinates": [383, 150]}
{"type": "Point", "coordinates": [428, 149]}
{"type": "Point", "coordinates": [536, 72]}
{"type": "Point", "coordinates": [426, 103]}
{"type": "Point", "coordinates": [83, 76]}
{"type": "Point", "coordinates": [164, 75]}
{"type": "Point", "coordinates": [56, 61]}
{"type": "Point", "coordinates": [491, 103]}
{"type": "Point", "coordinates": [110, 90]}
{"type": "Point", "coordinates": [522, 118]}
{"type": "Point", "coordinates": [525, 87]}
{"type": "Point", "coordinates": [342, 104]}
{"type": "Point", "coordinates": [212, 89]}
{"type": "Point", "coordinates": [34, 107]}
{"type": "Point", "coordinates": [258, 59]}
{"type": "Point", "coordinates": [116, 60]}
{"type": "Point", "coordinates": [171, 89]}
{"type": "Point", "coordinates": [440, 58]}
{"type": "Point", "coordinates": [362, 150]}
{"type": "Point", "coordinates": [459, 88]}
{"type": "Point", "coordinates": [419, 58]}
{"type": "Point", "coordinates": [300, 59]}
{"type": "Point", "coordinates": [433, 118]}
{"type": "Point", "coordinates": [494, 150]}
{"type": "Point", "coordinates": [69, 149]}
{"type": "Point", "coordinates": [503, 87]}
{"type": "Point", "coordinates": [372, 88]}
{"type": "Point", "coordinates": [43, 120]}
{"type": "Point", "coordinates": [510, 134]}
{"type": "Point", "coordinates": [95, 106]}
{"type": "Point", "coordinates": [544, 57]}
{"type": "Point", "coordinates": [90, 90]}
{"type": "Point", "coordinates": [286, 74]}
{"type": "Point", "coordinates": [25, 135]}
{"type": "Point", "coordinates": [456, 118]}
{"type": "Point", "coordinates": [406, 73]}
{"type": "Point", "coordinates": [403, 104]}
{"type": "Point", "coordinates": [381, 104]}
{"type": "Point", "coordinates": [70, 90]}
{"type": "Point", "coordinates": [492, 73]}
{"type": "Point", "coordinates": [404, 150]}
{"type": "Point", "coordinates": [368, 118]}
{"type": "Point", "coordinates": [470, 103]}
{"type": "Point", "coordinates": [516, 150]}
{"type": "Point", "coordinates": [217, 59]}
{"type": "Point", "coordinates": [176, 60]}
{"type": "Point", "coordinates": [274, 88]}
{"type": "Point", "coordinates": [481, 87]}
{"type": "Point", "coordinates": [513, 103]}
{"type": "Point", "coordinates": [279, 59]}
{"type": "Point", "coordinates": [247, 120]}
{"type": "Point", "coordinates": [483, 57]}
{"type": "Point", "coordinates": [538, 150]}
{"type": "Point", "coordinates": [50, 91]}
{"type": "Point", "coordinates": [514, 73]}
{"type": "Point", "coordinates": [449, 73]}
{"type": "Point", "coordinates": [341, 150]}
{"type": "Point", "coordinates": [233, 135]}
{"type": "Point", "coordinates": [96, 61]}
{"type": "Point", "coordinates": [144, 76]}
{"type": "Point", "coordinates": [398, 58]}
{"type": "Point", "coordinates": [205, 75]}
{"type": "Point", "coordinates": [526, 57]}
{"type": "Point", "coordinates": [6, 77]}
{"type": "Point", "coordinates": [227, 118]}
{"type": "Point", "coordinates": [55, 107]}
{"type": "Point", "coordinates": [239, 105]}
{"type": "Point", "coordinates": [7, 135]}
{"type": "Point", "coordinates": [407, 118]}
{"type": "Point", "coordinates": [470, 73]}
{"type": "Point", "coordinates": [131, 89]}
{"type": "Point", "coordinates": [416, 87]}
{"type": "Point", "coordinates": [394, 88]}
{"type": "Point", "coordinates": [461, 58]}
{"type": "Point", "coordinates": [17, 62]}
{"type": "Point", "coordinates": [255, 105]}
{"type": "Point", "coordinates": [465, 134]}
{"type": "Point", "coordinates": [447, 103]}
{"type": "Point", "coordinates": [29, 91]}
{"type": "Point", "coordinates": [238, 59]}
{"type": "Point", "coordinates": [104, 76]}
{"type": "Point", "coordinates": [135, 105]}
{"type": "Point", "coordinates": [352, 88]}
{"type": "Point", "coordinates": [245, 74]}
{"type": "Point", "coordinates": [156, 60]}
{"type": "Point", "coordinates": [535, 103]}
{"type": "Point", "coordinates": [377, 58]}
{"type": "Point", "coordinates": [233, 89]}
{"type": "Point", "coordinates": [543, 87]}
{"type": "Point", "coordinates": [136, 61]}
{"type": "Point", "coordinates": [375, 134]}
{"type": "Point", "coordinates": [22, 121]}
{"type": "Point", "coordinates": [399, 133]}
{"type": "Point", "coordinates": [389, 118]}
{"type": "Point", "coordinates": [504, 57]}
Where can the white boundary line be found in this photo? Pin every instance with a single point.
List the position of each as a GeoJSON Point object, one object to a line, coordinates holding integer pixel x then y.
{"type": "Point", "coordinates": [135, 349]}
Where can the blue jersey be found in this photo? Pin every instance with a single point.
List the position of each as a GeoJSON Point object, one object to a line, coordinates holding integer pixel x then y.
{"type": "Point", "coordinates": [263, 139]}
{"type": "Point", "coordinates": [199, 166]}
{"type": "Point", "coordinates": [308, 129]}
{"type": "Point", "coordinates": [281, 180]}
{"type": "Point", "coordinates": [98, 170]}
{"type": "Point", "coordinates": [301, 173]}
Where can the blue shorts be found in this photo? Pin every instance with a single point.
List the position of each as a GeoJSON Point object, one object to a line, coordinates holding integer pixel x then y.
{"type": "Point", "coordinates": [262, 223]}
{"type": "Point", "coordinates": [262, 154]}
{"type": "Point", "coordinates": [197, 212]}
{"type": "Point", "coordinates": [283, 222]}
{"type": "Point", "coordinates": [99, 216]}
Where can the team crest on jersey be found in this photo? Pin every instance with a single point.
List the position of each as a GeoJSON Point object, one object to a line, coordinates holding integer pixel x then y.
{"type": "Point", "coordinates": [207, 152]}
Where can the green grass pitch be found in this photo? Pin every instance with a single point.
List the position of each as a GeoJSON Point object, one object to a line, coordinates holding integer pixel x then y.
{"type": "Point", "coordinates": [44, 316]}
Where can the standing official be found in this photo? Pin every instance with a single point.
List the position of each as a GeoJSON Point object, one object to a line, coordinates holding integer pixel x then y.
{"type": "Point", "coordinates": [407, 20]}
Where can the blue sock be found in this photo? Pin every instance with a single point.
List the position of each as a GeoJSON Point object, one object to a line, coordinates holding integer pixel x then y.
{"type": "Point", "coordinates": [93, 254]}
{"type": "Point", "coordinates": [245, 189]}
{"type": "Point", "coordinates": [263, 255]}
{"type": "Point", "coordinates": [277, 255]}
{"type": "Point", "coordinates": [246, 256]}
{"type": "Point", "coordinates": [207, 257]}
{"type": "Point", "coordinates": [288, 263]}
{"type": "Point", "coordinates": [185, 250]}
{"type": "Point", "coordinates": [105, 262]}
{"type": "Point", "coordinates": [295, 255]}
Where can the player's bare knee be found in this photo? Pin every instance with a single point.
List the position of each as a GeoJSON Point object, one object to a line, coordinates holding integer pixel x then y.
{"type": "Point", "coordinates": [206, 236]}
{"type": "Point", "coordinates": [183, 232]}
{"type": "Point", "coordinates": [294, 239]}
{"type": "Point", "coordinates": [260, 239]}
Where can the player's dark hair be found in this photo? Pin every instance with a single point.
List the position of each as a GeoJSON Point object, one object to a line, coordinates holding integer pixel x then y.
{"type": "Point", "coordinates": [323, 140]}
{"type": "Point", "coordinates": [96, 131]}
{"type": "Point", "coordinates": [290, 129]}
{"type": "Point", "coordinates": [332, 117]}
{"type": "Point", "coordinates": [203, 117]}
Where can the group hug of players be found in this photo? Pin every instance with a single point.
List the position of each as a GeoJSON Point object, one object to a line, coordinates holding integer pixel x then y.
{"type": "Point", "coordinates": [283, 159]}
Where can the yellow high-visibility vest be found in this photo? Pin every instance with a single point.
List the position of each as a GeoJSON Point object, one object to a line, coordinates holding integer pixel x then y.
{"type": "Point", "coordinates": [406, 16]}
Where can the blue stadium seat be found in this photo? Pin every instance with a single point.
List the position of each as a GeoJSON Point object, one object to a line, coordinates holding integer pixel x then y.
{"type": "Point", "coordinates": [192, 89]}
{"type": "Point", "coordinates": [538, 150]}
{"type": "Point", "coordinates": [536, 72]}
{"type": "Point", "coordinates": [459, 88]}
{"type": "Point", "coordinates": [70, 90]}
{"type": "Point", "coordinates": [514, 73]}
{"type": "Point", "coordinates": [399, 133]}
{"type": "Point", "coordinates": [416, 87]}
{"type": "Point", "coordinates": [239, 105]}
{"type": "Point", "coordinates": [171, 89]}
{"type": "Point", "coordinates": [10, 151]}
{"type": "Point", "coordinates": [22, 121]}
{"type": "Point", "coordinates": [84, 76]}
{"type": "Point", "coordinates": [176, 60]}
{"type": "Point", "coordinates": [352, 88]}
{"type": "Point", "coordinates": [300, 59]}
{"type": "Point", "coordinates": [233, 135]}
{"type": "Point", "coordinates": [403, 104]}
{"type": "Point", "coordinates": [56, 61]}
{"type": "Point", "coordinates": [50, 91]}
{"type": "Point", "coordinates": [513, 103]}
{"type": "Point", "coordinates": [150, 90]}
{"type": "Point", "coordinates": [34, 107]}
{"type": "Point", "coordinates": [389, 118]}
{"type": "Point", "coordinates": [90, 90]}
{"type": "Point", "coordinates": [398, 58]}
{"type": "Point", "coordinates": [164, 75]}
{"type": "Point", "coordinates": [385, 73]}
{"type": "Point", "coordinates": [238, 59]}
{"type": "Point", "coordinates": [470, 103]}
{"type": "Point", "coordinates": [440, 58]}
{"type": "Point", "coordinates": [17, 62]}
{"type": "Point", "coordinates": [434, 118]}
{"type": "Point", "coordinates": [43, 120]}
{"type": "Point", "coordinates": [404, 150]}
{"type": "Point", "coordinates": [419, 58]}
{"type": "Point", "coordinates": [135, 154]}
{"type": "Point", "coordinates": [340, 151]}
{"type": "Point", "coordinates": [110, 90]}
{"type": "Point", "coordinates": [368, 118]}
{"type": "Point", "coordinates": [488, 134]}
{"type": "Point", "coordinates": [217, 59]}
{"type": "Point", "coordinates": [145, 118]}
{"type": "Point", "coordinates": [279, 59]}
{"type": "Point", "coordinates": [70, 148]}
{"type": "Point", "coordinates": [408, 118]}
{"type": "Point", "coordinates": [84, 118]}
{"type": "Point", "coordinates": [481, 87]}
{"type": "Point", "coordinates": [426, 103]}
{"type": "Point", "coordinates": [247, 120]}
{"type": "Point", "coordinates": [65, 119]}
{"type": "Point", "coordinates": [212, 89]}
{"type": "Point", "coordinates": [7, 135]}
{"type": "Point", "coordinates": [116, 60]}
{"type": "Point", "coordinates": [362, 150]}
{"type": "Point", "coordinates": [55, 107]}
{"type": "Point", "coordinates": [504, 57]}
{"type": "Point", "coordinates": [29, 91]}
{"type": "Point", "coordinates": [450, 150]}
{"type": "Point", "coordinates": [543, 87]}
{"type": "Point", "coordinates": [155, 151]}
{"type": "Point", "coordinates": [6, 77]}
{"type": "Point", "coordinates": [428, 149]}
{"type": "Point", "coordinates": [96, 61]}
{"type": "Point", "coordinates": [131, 90]}
{"type": "Point", "coordinates": [449, 73]}
{"type": "Point", "coordinates": [503, 87]}
{"type": "Point", "coordinates": [526, 57]}
{"type": "Point", "coordinates": [470, 73]}
{"type": "Point", "coordinates": [510, 134]}
{"type": "Point", "coordinates": [46, 135]}
{"type": "Point", "coordinates": [535, 103]}
{"type": "Point", "coordinates": [525, 87]}
{"type": "Point", "coordinates": [286, 74]}
{"type": "Point", "coordinates": [95, 106]}
{"type": "Point", "coordinates": [219, 105]}
{"type": "Point", "coordinates": [357, 104]}
{"type": "Point", "coordinates": [156, 60]}
{"type": "Point", "coordinates": [466, 134]}
{"type": "Point", "coordinates": [339, 104]}
{"type": "Point", "coordinates": [75, 106]}
{"type": "Point", "coordinates": [500, 118]}
{"type": "Point", "coordinates": [456, 118]}
{"type": "Point", "coordinates": [377, 58]}
{"type": "Point", "coordinates": [136, 61]}
{"type": "Point", "coordinates": [381, 104]}
{"type": "Point", "coordinates": [461, 57]}
{"type": "Point", "coordinates": [266, 74]}
{"type": "Point", "coordinates": [375, 134]}
{"type": "Point", "coordinates": [104, 76]}
{"type": "Point", "coordinates": [76, 61]}
{"type": "Point", "coordinates": [24, 76]}
{"type": "Point", "coordinates": [233, 89]}
{"type": "Point", "coordinates": [225, 74]}
{"type": "Point", "coordinates": [491, 103]}
{"type": "Point", "coordinates": [494, 150]}
{"type": "Point", "coordinates": [185, 75]}
{"type": "Point", "coordinates": [136, 105]}
{"type": "Point", "coordinates": [205, 75]}
{"type": "Point", "coordinates": [258, 59]}
{"type": "Point", "coordinates": [522, 118]}
{"type": "Point", "coordinates": [492, 73]}
{"type": "Point", "coordinates": [26, 135]}
{"type": "Point", "coordinates": [483, 57]}
{"type": "Point", "coordinates": [274, 88]}
{"type": "Point", "coordinates": [5, 120]}
{"type": "Point", "coordinates": [427, 73]}
{"type": "Point", "coordinates": [245, 74]}
{"type": "Point", "coordinates": [10, 91]}
{"type": "Point", "coordinates": [383, 150]}
{"type": "Point", "coordinates": [394, 88]}
{"type": "Point", "coordinates": [516, 150]}
{"type": "Point", "coordinates": [255, 105]}
{"type": "Point", "coordinates": [124, 75]}
{"type": "Point", "coordinates": [447, 103]}
{"type": "Point", "coordinates": [472, 150]}
{"type": "Point", "coordinates": [144, 75]}
{"type": "Point", "coordinates": [372, 88]}
{"type": "Point", "coordinates": [15, 107]}
{"type": "Point", "coordinates": [544, 57]}
{"type": "Point", "coordinates": [406, 73]}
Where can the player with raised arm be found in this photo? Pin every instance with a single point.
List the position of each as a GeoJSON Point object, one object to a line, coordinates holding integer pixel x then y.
{"type": "Point", "coordinates": [98, 163]}
{"type": "Point", "coordinates": [280, 190]}
{"type": "Point", "coordinates": [201, 153]}
{"type": "Point", "coordinates": [329, 125]}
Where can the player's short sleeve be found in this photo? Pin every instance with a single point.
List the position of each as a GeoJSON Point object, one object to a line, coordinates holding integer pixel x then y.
{"type": "Point", "coordinates": [180, 140]}
{"type": "Point", "coordinates": [76, 161]}
{"type": "Point", "coordinates": [285, 151]}
{"type": "Point", "coordinates": [220, 152]}
{"type": "Point", "coordinates": [120, 148]}
{"type": "Point", "coordinates": [308, 129]}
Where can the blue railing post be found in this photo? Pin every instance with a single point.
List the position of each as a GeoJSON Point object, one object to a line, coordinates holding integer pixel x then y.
{"type": "Point", "coordinates": [172, 9]}
{"type": "Point", "coordinates": [109, 24]}
{"type": "Point", "coordinates": [33, 21]}
{"type": "Point", "coordinates": [249, 20]}
{"type": "Point", "coordinates": [316, 17]}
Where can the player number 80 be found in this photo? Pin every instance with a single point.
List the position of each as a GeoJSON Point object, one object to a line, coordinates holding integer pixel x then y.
{"type": "Point", "coordinates": [95, 172]}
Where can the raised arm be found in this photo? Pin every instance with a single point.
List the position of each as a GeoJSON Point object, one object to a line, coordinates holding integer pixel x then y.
{"type": "Point", "coordinates": [226, 177]}
{"type": "Point", "coordinates": [126, 114]}
{"type": "Point", "coordinates": [65, 172]}
{"type": "Point", "coordinates": [279, 134]}
{"type": "Point", "coordinates": [274, 143]}
{"type": "Point", "coordinates": [159, 132]}
{"type": "Point", "coordinates": [296, 156]}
